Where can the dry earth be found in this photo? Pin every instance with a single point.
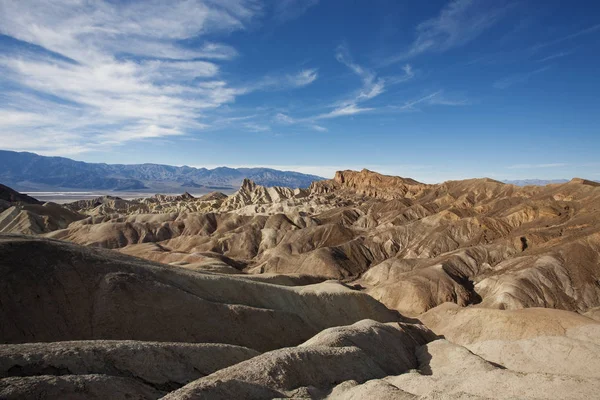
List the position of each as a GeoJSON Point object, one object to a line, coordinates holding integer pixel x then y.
{"type": "Point", "coordinates": [361, 287]}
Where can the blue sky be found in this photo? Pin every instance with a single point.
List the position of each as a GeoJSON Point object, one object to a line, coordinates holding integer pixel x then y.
{"type": "Point", "coordinates": [433, 90]}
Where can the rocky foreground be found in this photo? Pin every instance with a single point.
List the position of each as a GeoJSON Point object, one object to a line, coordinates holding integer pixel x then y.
{"type": "Point", "coordinates": [365, 286]}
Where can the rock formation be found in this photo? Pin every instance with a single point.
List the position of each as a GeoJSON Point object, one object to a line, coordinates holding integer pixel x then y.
{"type": "Point", "coordinates": [363, 286]}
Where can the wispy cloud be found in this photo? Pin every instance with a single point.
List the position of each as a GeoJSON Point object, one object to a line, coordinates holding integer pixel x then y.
{"type": "Point", "coordinates": [350, 109]}
{"type": "Point", "coordinates": [435, 98]}
{"type": "Point", "coordinates": [283, 81]}
{"type": "Point", "coordinates": [442, 100]}
{"type": "Point", "coordinates": [255, 127]}
{"type": "Point", "coordinates": [372, 86]}
{"type": "Point", "coordinates": [114, 72]}
{"type": "Point", "coordinates": [79, 30]}
{"type": "Point", "coordinates": [287, 120]}
{"type": "Point", "coordinates": [583, 32]}
{"type": "Point", "coordinates": [458, 23]}
{"type": "Point", "coordinates": [517, 78]}
{"type": "Point", "coordinates": [532, 166]}
{"type": "Point", "coordinates": [285, 10]}
{"type": "Point", "coordinates": [304, 77]}
{"type": "Point", "coordinates": [559, 54]}
{"type": "Point", "coordinates": [319, 128]}
{"type": "Point", "coordinates": [556, 55]}
{"type": "Point", "coordinates": [284, 119]}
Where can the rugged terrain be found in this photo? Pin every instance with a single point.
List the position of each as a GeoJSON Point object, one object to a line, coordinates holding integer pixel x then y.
{"type": "Point", "coordinates": [363, 286]}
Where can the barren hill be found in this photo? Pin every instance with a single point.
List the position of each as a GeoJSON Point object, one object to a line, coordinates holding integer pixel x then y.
{"type": "Point", "coordinates": [8, 195]}
{"type": "Point", "coordinates": [410, 245]}
{"type": "Point", "coordinates": [332, 284]}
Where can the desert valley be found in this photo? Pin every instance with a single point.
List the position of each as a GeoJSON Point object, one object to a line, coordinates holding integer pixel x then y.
{"type": "Point", "coordinates": [365, 286]}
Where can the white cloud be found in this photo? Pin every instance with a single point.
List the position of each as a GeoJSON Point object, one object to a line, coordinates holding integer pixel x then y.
{"type": "Point", "coordinates": [458, 23]}
{"type": "Point", "coordinates": [77, 29]}
{"type": "Point", "coordinates": [254, 127]}
{"type": "Point", "coordinates": [282, 82]}
{"type": "Point", "coordinates": [556, 55]}
{"type": "Point", "coordinates": [571, 36]}
{"type": "Point", "coordinates": [343, 111]}
{"type": "Point", "coordinates": [440, 99]}
{"type": "Point", "coordinates": [319, 128]}
{"type": "Point", "coordinates": [517, 78]}
{"type": "Point", "coordinates": [410, 105]}
{"type": "Point", "coordinates": [115, 72]}
{"type": "Point", "coordinates": [12, 119]}
{"type": "Point", "coordinates": [372, 86]}
{"type": "Point", "coordinates": [287, 120]}
{"type": "Point", "coordinates": [284, 119]}
{"type": "Point", "coordinates": [138, 132]}
{"type": "Point", "coordinates": [92, 90]}
{"type": "Point", "coordinates": [167, 50]}
{"type": "Point", "coordinates": [285, 10]}
{"type": "Point", "coordinates": [304, 77]}
{"type": "Point", "coordinates": [432, 99]}
{"type": "Point", "coordinates": [180, 70]}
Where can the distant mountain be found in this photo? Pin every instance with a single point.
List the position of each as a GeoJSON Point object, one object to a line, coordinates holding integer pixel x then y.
{"type": "Point", "coordinates": [29, 171]}
{"type": "Point", "coordinates": [537, 182]}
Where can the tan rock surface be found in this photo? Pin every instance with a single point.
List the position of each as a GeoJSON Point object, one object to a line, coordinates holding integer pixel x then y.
{"type": "Point", "coordinates": [162, 366]}
{"type": "Point", "coordinates": [76, 387]}
{"type": "Point", "coordinates": [533, 340]}
{"type": "Point", "coordinates": [450, 371]}
{"type": "Point", "coordinates": [34, 219]}
{"type": "Point", "coordinates": [360, 352]}
{"type": "Point", "coordinates": [100, 294]}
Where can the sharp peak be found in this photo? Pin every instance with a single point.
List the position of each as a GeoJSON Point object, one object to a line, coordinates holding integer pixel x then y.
{"type": "Point", "coordinates": [248, 184]}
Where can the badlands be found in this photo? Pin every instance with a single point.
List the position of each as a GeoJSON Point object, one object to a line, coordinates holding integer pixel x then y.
{"type": "Point", "coordinates": [365, 286]}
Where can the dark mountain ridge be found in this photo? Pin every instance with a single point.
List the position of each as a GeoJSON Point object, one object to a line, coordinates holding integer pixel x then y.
{"type": "Point", "coordinates": [23, 170]}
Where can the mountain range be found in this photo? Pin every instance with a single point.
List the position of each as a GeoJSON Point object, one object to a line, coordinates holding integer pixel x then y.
{"type": "Point", "coordinates": [32, 172]}
{"type": "Point", "coordinates": [29, 171]}
{"type": "Point", "coordinates": [536, 182]}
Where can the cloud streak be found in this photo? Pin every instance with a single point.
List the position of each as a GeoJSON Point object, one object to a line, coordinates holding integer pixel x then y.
{"type": "Point", "coordinates": [285, 10]}
{"type": "Point", "coordinates": [457, 24]}
{"type": "Point", "coordinates": [517, 78]}
{"type": "Point", "coordinates": [281, 82]}
{"type": "Point", "coordinates": [556, 55]}
{"type": "Point", "coordinates": [432, 99]}
{"type": "Point", "coordinates": [111, 72]}
{"type": "Point", "coordinates": [372, 86]}
{"type": "Point", "coordinates": [583, 32]}
{"type": "Point", "coordinates": [350, 109]}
